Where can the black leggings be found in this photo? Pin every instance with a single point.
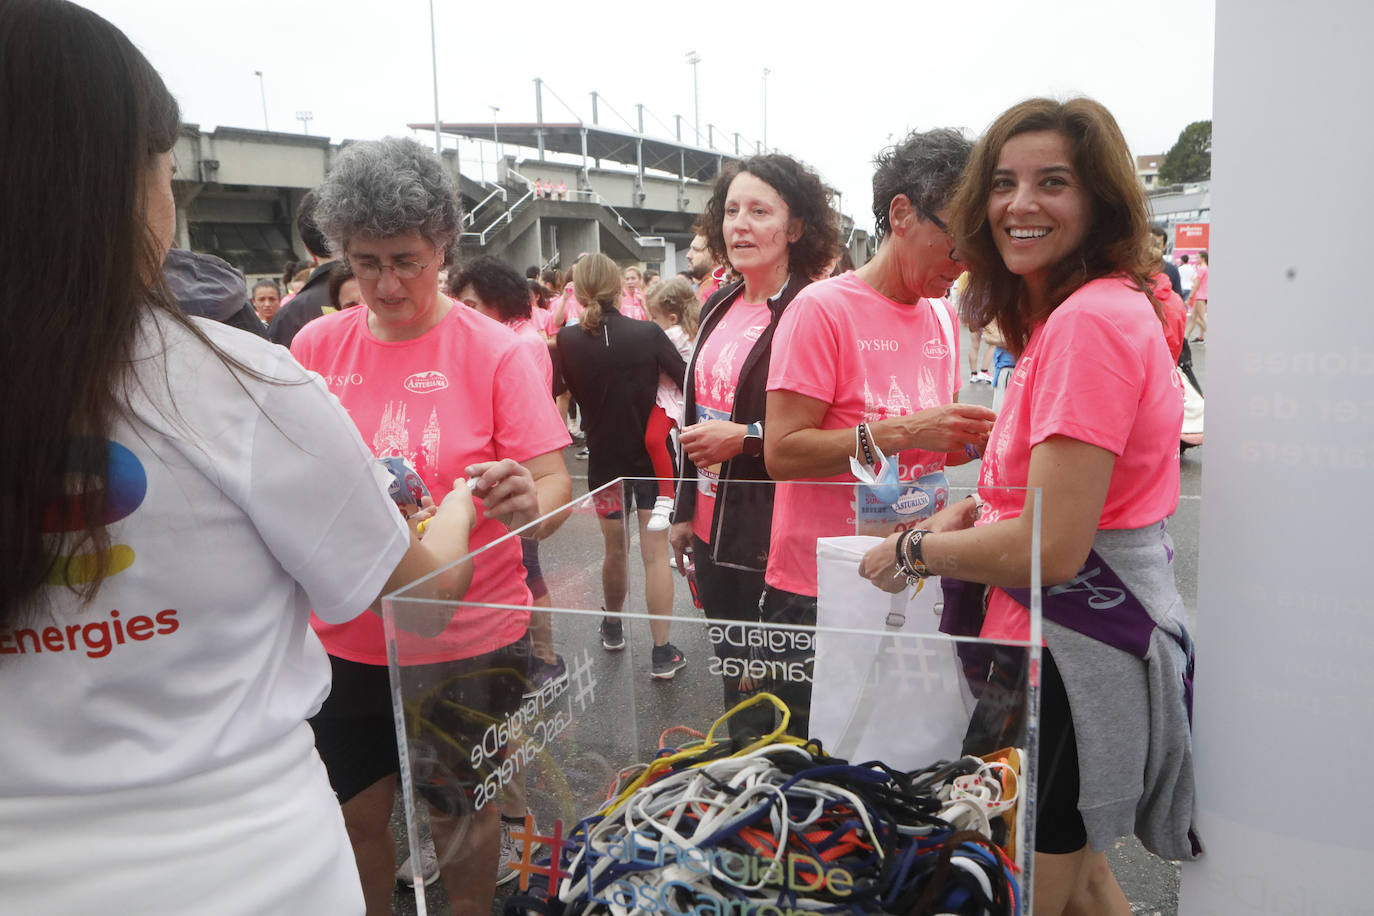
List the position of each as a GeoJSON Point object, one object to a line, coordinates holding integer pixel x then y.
{"type": "Point", "coordinates": [793, 661]}
{"type": "Point", "coordinates": [731, 596]}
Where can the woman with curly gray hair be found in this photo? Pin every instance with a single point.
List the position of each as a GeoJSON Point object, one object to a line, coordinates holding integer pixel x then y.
{"type": "Point", "coordinates": [455, 395]}
{"type": "Point", "coordinates": [867, 362]}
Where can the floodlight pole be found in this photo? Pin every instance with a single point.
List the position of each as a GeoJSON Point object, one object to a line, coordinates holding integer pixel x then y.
{"type": "Point", "coordinates": [765, 109]}
{"type": "Point", "coordinates": [434, 67]}
{"type": "Point", "coordinates": [496, 138]}
{"type": "Point", "coordinates": [694, 58]}
{"type": "Point", "coordinates": [262, 88]}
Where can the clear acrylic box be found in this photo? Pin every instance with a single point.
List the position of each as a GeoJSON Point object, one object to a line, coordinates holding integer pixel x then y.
{"type": "Point", "coordinates": [584, 768]}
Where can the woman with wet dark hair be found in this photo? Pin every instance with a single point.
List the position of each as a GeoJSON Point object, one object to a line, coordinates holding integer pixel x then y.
{"type": "Point", "coordinates": [769, 218]}
{"type": "Point", "coordinates": [180, 496]}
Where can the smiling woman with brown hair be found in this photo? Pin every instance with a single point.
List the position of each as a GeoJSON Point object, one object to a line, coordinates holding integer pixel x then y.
{"type": "Point", "coordinates": [1054, 226]}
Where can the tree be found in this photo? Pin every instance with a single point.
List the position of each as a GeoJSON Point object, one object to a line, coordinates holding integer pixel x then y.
{"type": "Point", "coordinates": [1190, 159]}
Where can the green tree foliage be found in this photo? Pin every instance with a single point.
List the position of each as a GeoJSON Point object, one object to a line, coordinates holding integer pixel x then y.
{"type": "Point", "coordinates": [1190, 159]}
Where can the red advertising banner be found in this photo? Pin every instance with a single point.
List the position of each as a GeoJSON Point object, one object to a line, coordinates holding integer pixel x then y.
{"type": "Point", "coordinates": [1191, 236]}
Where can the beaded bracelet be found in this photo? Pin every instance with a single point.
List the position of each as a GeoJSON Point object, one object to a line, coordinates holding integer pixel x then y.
{"type": "Point", "coordinates": [864, 437]}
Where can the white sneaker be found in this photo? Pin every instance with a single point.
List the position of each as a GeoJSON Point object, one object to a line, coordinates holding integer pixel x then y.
{"type": "Point", "coordinates": [429, 866]}
{"type": "Point", "coordinates": [663, 511]}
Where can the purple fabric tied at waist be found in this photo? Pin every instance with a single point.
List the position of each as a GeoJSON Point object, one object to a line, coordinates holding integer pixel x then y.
{"type": "Point", "coordinates": [1097, 604]}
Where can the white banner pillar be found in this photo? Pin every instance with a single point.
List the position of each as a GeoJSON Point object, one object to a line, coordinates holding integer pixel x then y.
{"type": "Point", "coordinates": [1284, 720]}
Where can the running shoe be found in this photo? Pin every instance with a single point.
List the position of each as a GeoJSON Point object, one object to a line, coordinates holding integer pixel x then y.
{"type": "Point", "coordinates": [511, 852]}
{"type": "Point", "coordinates": [583, 454]}
{"type": "Point", "coordinates": [612, 634]}
{"type": "Point", "coordinates": [543, 673]}
{"type": "Point", "coordinates": [667, 661]}
{"type": "Point", "coordinates": [659, 520]}
{"type": "Point", "coordinates": [429, 866]}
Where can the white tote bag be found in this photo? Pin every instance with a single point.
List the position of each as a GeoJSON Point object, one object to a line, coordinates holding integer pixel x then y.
{"type": "Point", "coordinates": [886, 695]}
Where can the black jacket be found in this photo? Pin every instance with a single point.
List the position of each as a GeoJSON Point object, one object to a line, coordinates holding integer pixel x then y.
{"type": "Point", "coordinates": [613, 375]}
{"type": "Point", "coordinates": [304, 307]}
{"type": "Point", "coordinates": [744, 512]}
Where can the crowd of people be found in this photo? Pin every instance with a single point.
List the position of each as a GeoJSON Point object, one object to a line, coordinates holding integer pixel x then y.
{"type": "Point", "coordinates": [200, 528]}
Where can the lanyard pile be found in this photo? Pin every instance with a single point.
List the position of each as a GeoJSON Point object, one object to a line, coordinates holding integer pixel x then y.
{"type": "Point", "coordinates": [780, 827]}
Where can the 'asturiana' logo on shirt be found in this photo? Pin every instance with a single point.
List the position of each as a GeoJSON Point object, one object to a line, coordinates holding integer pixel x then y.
{"type": "Point", "coordinates": [936, 349]}
{"type": "Point", "coordinates": [912, 500]}
{"type": "Point", "coordinates": [426, 382]}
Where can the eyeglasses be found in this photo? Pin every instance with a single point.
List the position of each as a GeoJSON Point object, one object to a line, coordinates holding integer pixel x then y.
{"type": "Point", "coordinates": [940, 224]}
{"type": "Point", "coordinates": [371, 270]}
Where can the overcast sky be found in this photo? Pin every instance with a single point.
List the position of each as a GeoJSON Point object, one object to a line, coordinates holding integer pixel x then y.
{"type": "Point", "coordinates": [843, 79]}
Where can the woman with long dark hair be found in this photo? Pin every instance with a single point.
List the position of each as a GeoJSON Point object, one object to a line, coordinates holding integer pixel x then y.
{"type": "Point", "coordinates": [178, 495]}
{"type": "Point", "coordinates": [769, 217]}
{"type": "Point", "coordinates": [1054, 228]}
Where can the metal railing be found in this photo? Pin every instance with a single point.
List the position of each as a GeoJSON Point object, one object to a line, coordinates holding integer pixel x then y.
{"type": "Point", "coordinates": [471, 216]}
{"type": "Point", "coordinates": [529, 185]}
{"type": "Point", "coordinates": [587, 194]}
{"type": "Point", "coordinates": [505, 217]}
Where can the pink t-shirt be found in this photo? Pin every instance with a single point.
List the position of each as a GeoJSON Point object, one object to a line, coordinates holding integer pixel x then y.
{"type": "Point", "coordinates": [869, 358]}
{"type": "Point", "coordinates": [464, 392]}
{"type": "Point", "coordinates": [572, 309]}
{"type": "Point", "coordinates": [1098, 370]}
{"type": "Point", "coordinates": [669, 396]}
{"type": "Point", "coordinates": [535, 344]}
{"type": "Point", "coordinates": [542, 319]}
{"type": "Point", "coordinates": [1199, 282]}
{"type": "Point", "coordinates": [716, 377]}
{"type": "Point", "coordinates": [632, 306]}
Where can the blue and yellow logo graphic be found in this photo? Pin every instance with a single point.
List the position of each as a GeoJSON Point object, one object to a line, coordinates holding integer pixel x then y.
{"type": "Point", "coordinates": [126, 484]}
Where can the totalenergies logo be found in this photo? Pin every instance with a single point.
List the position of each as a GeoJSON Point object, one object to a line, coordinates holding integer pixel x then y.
{"type": "Point", "coordinates": [126, 484]}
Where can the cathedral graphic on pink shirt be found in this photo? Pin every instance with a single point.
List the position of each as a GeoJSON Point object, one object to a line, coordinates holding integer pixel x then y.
{"type": "Point", "coordinates": [392, 438]}
{"type": "Point", "coordinates": [895, 404]}
{"type": "Point", "coordinates": [723, 378]}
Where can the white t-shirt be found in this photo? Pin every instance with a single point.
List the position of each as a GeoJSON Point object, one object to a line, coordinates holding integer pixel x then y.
{"type": "Point", "coordinates": [1187, 273]}
{"type": "Point", "coordinates": [236, 506]}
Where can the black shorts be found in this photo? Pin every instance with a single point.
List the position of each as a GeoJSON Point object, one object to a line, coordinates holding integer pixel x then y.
{"type": "Point", "coordinates": [1058, 824]}
{"type": "Point", "coordinates": [355, 732]}
{"type": "Point", "coordinates": [610, 502]}
{"type": "Point", "coordinates": [999, 721]}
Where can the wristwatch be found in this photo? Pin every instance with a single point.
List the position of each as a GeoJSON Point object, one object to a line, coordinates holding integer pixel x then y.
{"type": "Point", "coordinates": [753, 440]}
